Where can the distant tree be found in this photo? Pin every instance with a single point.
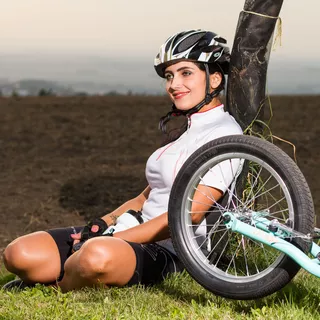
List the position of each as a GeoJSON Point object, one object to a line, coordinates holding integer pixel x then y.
{"type": "Point", "coordinates": [45, 92]}
{"type": "Point", "coordinates": [1, 93]}
{"type": "Point", "coordinates": [112, 93]}
{"type": "Point", "coordinates": [14, 94]}
{"type": "Point", "coordinates": [81, 94]}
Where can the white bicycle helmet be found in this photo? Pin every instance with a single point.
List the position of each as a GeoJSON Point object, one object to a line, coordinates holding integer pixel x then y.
{"type": "Point", "coordinates": [193, 45]}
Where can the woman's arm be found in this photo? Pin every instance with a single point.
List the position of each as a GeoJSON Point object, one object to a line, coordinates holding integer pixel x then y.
{"type": "Point", "coordinates": [111, 218]}
{"type": "Point", "coordinates": [148, 232]}
{"type": "Point", "coordinates": [134, 204]}
{"type": "Point", "coordinates": [157, 229]}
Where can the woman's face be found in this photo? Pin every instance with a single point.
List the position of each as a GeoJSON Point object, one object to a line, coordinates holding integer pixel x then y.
{"type": "Point", "coordinates": [186, 84]}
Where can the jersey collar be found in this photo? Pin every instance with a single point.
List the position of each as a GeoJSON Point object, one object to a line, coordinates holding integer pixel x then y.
{"type": "Point", "coordinates": [208, 116]}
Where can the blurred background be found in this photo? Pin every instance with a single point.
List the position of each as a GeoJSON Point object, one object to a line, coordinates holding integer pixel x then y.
{"type": "Point", "coordinates": [100, 46]}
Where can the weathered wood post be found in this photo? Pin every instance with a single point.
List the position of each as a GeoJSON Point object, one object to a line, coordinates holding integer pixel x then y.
{"type": "Point", "coordinates": [249, 60]}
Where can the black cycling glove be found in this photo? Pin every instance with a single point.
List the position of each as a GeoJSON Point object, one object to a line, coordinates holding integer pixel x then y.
{"type": "Point", "coordinates": [87, 232]}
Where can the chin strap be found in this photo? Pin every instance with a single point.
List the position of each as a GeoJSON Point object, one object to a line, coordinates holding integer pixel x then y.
{"type": "Point", "coordinates": [176, 112]}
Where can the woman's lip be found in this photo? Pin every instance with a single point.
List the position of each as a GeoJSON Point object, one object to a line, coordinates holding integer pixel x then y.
{"type": "Point", "coordinates": [180, 95]}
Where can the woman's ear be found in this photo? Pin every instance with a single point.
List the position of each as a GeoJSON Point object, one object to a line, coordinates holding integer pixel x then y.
{"type": "Point", "coordinates": [215, 80]}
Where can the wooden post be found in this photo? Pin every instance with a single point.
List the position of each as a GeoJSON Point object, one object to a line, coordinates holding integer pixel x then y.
{"type": "Point", "coordinates": [249, 60]}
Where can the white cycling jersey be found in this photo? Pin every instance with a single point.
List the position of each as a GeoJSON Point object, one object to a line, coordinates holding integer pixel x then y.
{"type": "Point", "coordinates": [164, 164]}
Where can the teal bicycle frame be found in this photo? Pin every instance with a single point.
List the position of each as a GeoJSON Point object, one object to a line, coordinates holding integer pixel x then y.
{"type": "Point", "coordinates": [274, 234]}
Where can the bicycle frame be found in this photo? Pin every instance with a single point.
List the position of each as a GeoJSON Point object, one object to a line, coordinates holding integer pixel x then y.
{"type": "Point", "coordinates": [272, 233]}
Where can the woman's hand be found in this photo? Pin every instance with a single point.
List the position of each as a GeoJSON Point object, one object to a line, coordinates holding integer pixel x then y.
{"type": "Point", "coordinates": [76, 237]}
{"type": "Point", "coordinates": [93, 229]}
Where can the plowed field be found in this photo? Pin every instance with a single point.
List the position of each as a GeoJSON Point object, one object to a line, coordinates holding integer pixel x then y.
{"type": "Point", "coordinates": [65, 160]}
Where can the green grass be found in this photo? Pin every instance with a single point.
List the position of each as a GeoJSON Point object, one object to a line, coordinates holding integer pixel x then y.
{"type": "Point", "coordinates": [179, 297]}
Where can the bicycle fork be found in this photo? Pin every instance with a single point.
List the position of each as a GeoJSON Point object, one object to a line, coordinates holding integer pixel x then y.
{"type": "Point", "coordinates": [271, 233]}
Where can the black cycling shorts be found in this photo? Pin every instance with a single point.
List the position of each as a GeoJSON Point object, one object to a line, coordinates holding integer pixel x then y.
{"type": "Point", "coordinates": [154, 262]}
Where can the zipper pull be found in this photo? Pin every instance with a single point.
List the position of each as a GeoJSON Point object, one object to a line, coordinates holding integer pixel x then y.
{"type": "Point", "coordinates": [189, 121]}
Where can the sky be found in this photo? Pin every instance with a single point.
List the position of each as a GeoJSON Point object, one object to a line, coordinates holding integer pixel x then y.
{"type": "Point", "coordinates": [122, 28]}
{"type": "Point", "coordinates": [82, 39]}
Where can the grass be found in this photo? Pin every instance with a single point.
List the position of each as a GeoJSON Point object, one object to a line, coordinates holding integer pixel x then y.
{"type": "Point", "coordinates": [178, 297]}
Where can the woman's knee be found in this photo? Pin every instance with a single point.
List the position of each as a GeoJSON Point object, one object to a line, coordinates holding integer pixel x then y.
{"type": "Point", "coordinates": [94, 259]}
{"type": "Point", "coordinates": [109, 260]}
{"type": "Point", "coordinates": [29, 251]}
{"type": "Point", "coordinates": [15, 256]}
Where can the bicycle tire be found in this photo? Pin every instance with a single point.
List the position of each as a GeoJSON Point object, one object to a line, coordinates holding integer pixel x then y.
{"type": "Point", "coordinates": [212, 274]}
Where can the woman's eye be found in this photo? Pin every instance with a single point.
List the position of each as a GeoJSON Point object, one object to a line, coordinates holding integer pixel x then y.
{"type": "Point", "coordinates": [168, 76]}
{"type": "Point", "coordinates": [186, 73]}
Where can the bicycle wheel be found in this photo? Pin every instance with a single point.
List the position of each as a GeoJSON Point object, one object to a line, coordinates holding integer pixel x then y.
{"type": "Point", "coordinates": [264, 179]}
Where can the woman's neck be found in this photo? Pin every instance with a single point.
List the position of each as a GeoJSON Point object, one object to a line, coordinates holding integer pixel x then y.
{"type": "Point", "coordinates": [213, 104]}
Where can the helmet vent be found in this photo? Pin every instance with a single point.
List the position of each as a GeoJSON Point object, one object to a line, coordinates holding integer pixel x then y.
{"type": "Point", "coordinates": [221, 40]}
{"type": "Point", "coordinates": [168, 45]}
{"type": "Point", "coordinates": [188, 42]}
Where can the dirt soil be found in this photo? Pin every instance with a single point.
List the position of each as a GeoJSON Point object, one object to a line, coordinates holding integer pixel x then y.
{"type": "Point", "coordinates": [65, 160]}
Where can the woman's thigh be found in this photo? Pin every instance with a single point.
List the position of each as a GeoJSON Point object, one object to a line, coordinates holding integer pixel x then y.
{"type": "Point", "coordinates": [123, 263]}
{"type": "Point", "coordinates": [118, 262]}
{"type": "Point", "coordinates": [154, 264]}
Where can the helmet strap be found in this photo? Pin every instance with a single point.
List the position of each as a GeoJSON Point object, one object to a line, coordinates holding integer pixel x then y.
{"type": "Point", "coordinates": [208, 96]}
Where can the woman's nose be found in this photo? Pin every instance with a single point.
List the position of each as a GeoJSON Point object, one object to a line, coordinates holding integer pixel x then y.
{"type": "Point", "coordinates": [176, 82]}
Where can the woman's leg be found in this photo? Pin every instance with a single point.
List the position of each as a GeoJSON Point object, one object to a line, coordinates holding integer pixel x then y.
{"type": "Point", "coordinates": [101, 260]}
{"type": "Point", "coordinates": [34, 258]}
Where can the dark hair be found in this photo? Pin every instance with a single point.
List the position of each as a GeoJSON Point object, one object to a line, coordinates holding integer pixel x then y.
{"type": "Point", "coordinates": [176, 132]}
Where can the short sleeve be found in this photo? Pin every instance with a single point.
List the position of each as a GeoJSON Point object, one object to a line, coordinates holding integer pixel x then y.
{"type": "Point", "coordinates": [222, 175]}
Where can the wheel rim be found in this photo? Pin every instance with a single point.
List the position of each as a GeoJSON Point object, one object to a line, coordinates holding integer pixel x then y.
{"type": "Point", "coordinates": [227, 255]}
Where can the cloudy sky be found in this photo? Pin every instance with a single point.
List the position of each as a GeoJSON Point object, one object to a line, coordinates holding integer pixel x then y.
{"type": "Point", "coordinates": [137, 28]}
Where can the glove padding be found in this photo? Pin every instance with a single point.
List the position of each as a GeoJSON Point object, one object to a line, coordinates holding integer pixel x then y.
{"type": "Point", "coordinates": [87, 232]}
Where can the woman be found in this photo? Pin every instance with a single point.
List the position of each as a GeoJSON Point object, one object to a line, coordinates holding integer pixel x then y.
{"type": "Point", "coordinates": [193, 64]}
